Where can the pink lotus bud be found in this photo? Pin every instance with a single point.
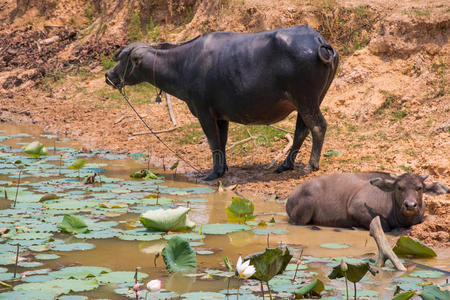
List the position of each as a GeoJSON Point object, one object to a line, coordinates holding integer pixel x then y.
{"type": "Point", "coordinates": [154, 285]}
{"type": "Point", "coordinates": [23, 276]}
{"type": "Point", "coordinates": [136, 287]}
{"type": "Point", "coordinates": [299, 262]}
{"type": "Point", "coordinates": [138, 294]}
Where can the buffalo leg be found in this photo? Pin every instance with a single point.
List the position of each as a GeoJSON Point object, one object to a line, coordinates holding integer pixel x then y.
{"type": "Point", "coordinates": [223, 132]}
{"type": "Point", "coordinates": [318, 126]}
{"type": "Point", "coordinates": [210, 127]}
{"type": "Point", "coordinates": [301, 131]}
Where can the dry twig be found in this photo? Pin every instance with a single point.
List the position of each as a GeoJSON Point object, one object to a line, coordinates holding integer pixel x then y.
{"type": "Point", "coordinates": [283, 152]}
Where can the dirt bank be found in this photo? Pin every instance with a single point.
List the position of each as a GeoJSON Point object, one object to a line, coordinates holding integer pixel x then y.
{"type": "Point", "coordinates": [388, 108]}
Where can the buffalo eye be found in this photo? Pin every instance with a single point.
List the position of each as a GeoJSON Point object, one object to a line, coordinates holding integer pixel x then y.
{"type": "Point", "coordinates": [400, 188]}
{"type": "Point", "coordinates": [419, 188]}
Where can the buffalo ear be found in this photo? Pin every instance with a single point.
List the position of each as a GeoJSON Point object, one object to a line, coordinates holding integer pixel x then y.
{"type": "Point", "coordinates": [136, 60]}
{"type": "Point", "coordinates": [122, 52]}
{"type": "Point", "coordinates": [424, 177]}
{"type": "Point", "coordinates": [436, 188]}
{"type": "Point", "coordinates": [386, 185]}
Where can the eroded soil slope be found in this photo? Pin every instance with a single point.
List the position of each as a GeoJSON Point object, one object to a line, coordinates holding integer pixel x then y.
{"type": "Point", "coordinates": [387, 109]}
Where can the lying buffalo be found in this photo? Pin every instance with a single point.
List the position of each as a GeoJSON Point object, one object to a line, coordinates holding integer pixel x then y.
{"type": "Point", "coordinates": [244, 78]}
{"type": "Point", "coordinates": [353, 200]}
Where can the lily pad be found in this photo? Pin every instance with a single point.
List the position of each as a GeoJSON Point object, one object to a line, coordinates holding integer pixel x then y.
{"type": "Point", "coordinates": [166, 219]}
{"type": "Point", "coordinates": [80, 272]}
{"type": "Point", "coordinates": [59, 286]}
{"type": "Point", "coordinates": [433, 292]}
{"type": "Point", "coordinates": [120, 277]}
{"type": "Point", "coordinates": [35, 295]}
{"type": "Point", "coordinates": [222, 228]}
{"type": "Point", "coordinates": [408, 246]}
{"type": "Point", "coordinates": [203, 295]}
{"type": "Point", "coordinates": [427, 274]}
{"type": "Point", "coordinates": [73, 224]}
{"type": "Point", "coordinates": [72, 247]}
{"type": "Point", "coordinates": [334, 246]}
{"type": "Point", "coordinates": [179, 256]}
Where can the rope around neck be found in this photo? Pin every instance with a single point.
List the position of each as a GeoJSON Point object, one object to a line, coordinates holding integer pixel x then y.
{"type": "Point", "coordinates": [125, 97]}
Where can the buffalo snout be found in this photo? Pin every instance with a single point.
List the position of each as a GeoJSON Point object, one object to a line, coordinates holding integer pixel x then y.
{"type": "Point", "coordinates": [112, 79]}
{"type": "Point", "coordinates": [410, 205]}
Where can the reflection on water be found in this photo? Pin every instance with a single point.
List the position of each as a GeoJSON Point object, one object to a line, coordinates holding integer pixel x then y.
{"type": "Point", "coordinates": [126, 255]}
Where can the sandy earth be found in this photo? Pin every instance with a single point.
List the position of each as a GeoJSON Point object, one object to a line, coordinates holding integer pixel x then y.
{"type": "Point", "coordinates": [388, 108]}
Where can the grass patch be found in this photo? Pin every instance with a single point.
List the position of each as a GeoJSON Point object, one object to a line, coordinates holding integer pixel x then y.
{"type": "Point", "coordinates": [415, 12]}
{"type": "Point", "coordinates": [400, 114]}
{"type": "Point", "coordinates": [346, 28]}
{"type": "Point", "coordinates": [107, 62]}
{"type": "Point", "coordinates": [389, 101]}
{"type": "Point", "coordinates": [405, 168]}
{"type": "Point", "coordinates": [192, 133]}
{"type": "Point", "coordinates": [142, 93]}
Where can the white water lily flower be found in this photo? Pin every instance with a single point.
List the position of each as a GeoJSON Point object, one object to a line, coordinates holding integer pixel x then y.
{"type": "Point", "coordinates": [154, 285]}
{"type": "Point", "coordinates": [244, 269]}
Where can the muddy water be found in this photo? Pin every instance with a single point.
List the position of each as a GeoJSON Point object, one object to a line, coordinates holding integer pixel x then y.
{"type": "Point", "coordinates": [126, 255]}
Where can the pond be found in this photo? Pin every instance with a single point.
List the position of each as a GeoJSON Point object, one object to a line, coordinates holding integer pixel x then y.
{"type": "Point", "coordinates": [118, 243]}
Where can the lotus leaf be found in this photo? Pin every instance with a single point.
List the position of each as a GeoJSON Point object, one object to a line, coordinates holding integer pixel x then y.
{"type": "Point", "coordinates": [334, 246]}
{"type": "Point", "coordinates": [313, 288]}
{"type": "Point", "coordinates": [166, 219]}
{"type": "Point", "coordinates": [203, 295]}
{"type": "Point", "coordinates": [408, 246]}
{"type": "Point", "coordinates": [73, 224]}
{"type": "Point", "coordinates": [80, 272]}
{"type": "Point", "coordinates": [432, 292]}
{"type": "Point", "coordinates": [59, 286]}
{"type": "Point", "coordinates": [36, 149]}
{"type": "Point", "coordinates": [178, 255]}
{"type": "Point", "coordinates": [354, 273]}
{"type": "Point", "coordinates": [78, 164]}
{"type": "Point", "coordinates": [269, 263]}
{"type": "Point", "coordinates": [222, 228]}
{"type": "Point", "coordinates": [240, 209]}
{"type": "Point", "coordinates": [404, 295]}
{"type": "Point", "coordinates": [427, 274]}
{"type": "Point", "coordinates": [35, 295]}
{"type": "Point", "coordinates": [120, 277]}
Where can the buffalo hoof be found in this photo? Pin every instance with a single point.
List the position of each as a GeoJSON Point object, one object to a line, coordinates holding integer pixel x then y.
{"type": "Point", "coordinates": [214, 175]}
{"type": "Point", "coordinates": [282, 168]}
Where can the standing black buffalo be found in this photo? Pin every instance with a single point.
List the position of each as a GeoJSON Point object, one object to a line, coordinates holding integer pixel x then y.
{"type": "Point", "coordinates": [245, 78]}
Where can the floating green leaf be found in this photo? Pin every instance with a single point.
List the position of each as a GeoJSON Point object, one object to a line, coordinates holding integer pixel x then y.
{"type": "Point", "coordinates": [171, 219]}
{"type": "Point", "coordinates": [79, 272]}
{"type": "Point", "coordinates": [78, 164]}
{"type": "Point", "coordinates": [222, 228]}
{"type": "Point", "coordinates": [334, 246]}
{"type": "Point", "coordinates": [432, 292]}
{"type": "Point", "coordinates": [240, 209]}
{"type": "Point", "coordinates": [72, 224]}
{"type": "Point", "coordinates": [179, 256]}
{"type": "Point", "coordinates": [59, 286]}
{"type": "Point", "coordinates": [408, 246]}
{"type": "Point", "coordinates": [426, 274]}
{"type": "Point", "coordinates": [269, 263]}
{"type": "Point", "coordinates": [311, 289]}
{"type": "Point", "coordinates": [120, 277]}
{"type": "Point", "coordinates": [404, 295]}
{"type": "Point", "coordinates": [35, 149]}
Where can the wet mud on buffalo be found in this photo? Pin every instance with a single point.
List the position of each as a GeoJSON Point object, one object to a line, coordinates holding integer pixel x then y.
{"type": "Point", "coordinates": [244, 78]}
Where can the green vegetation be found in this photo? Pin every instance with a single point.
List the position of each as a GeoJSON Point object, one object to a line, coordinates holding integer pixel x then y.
{"type": "Point", "coordinates": [347, 28]}
{"type": "Point", "coordinates": [415, 12]}
{"type": "Point", "coordinates": [153, 31]}
{"type": "Point", "coordinates": [139, 94]}
{"type": "Point", "coordinates": [107, 62]}
{"type": "Point", "coordinates": [134, 28]}
{"type": "Point", "coordinates": [192, 133]}
{"type": "Point", "coordinates": [440, 70]}
{"type": "Point", "coordinates": [389, 101]}
{"type": "Point", "coordinates": [400, 114]}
